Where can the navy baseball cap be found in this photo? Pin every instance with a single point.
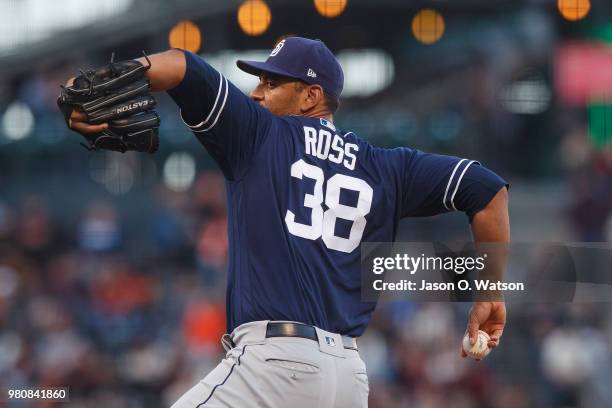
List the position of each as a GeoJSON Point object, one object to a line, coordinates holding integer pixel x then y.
{"type": "Point", "coordinates": [300, 58]}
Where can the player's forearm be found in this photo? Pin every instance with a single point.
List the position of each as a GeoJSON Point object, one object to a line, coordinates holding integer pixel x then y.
{"type": "Point", "coordinates": [492, 223]}
{"type": "Point", "coordinates": [167, 69]}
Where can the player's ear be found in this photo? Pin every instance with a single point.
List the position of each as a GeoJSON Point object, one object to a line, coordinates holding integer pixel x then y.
{"type": "Point", "coordinates": [312, 96]}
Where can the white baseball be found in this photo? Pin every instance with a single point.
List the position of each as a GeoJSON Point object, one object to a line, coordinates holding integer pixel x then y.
{"type": "Point", "coordinates": [480, 349]}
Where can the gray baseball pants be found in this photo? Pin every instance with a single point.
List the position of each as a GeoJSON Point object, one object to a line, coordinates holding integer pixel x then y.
{"type": "Point", "coordinates": [281, 372]}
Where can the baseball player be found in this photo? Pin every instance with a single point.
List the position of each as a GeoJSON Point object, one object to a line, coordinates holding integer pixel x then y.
{"type": "Point", "coordinates": [302, 196]}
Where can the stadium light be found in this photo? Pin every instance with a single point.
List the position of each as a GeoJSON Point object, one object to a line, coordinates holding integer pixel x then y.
{"type": "Point", "coordinates": [330, 8]}
{"type": "Point", "coordinates": [527, 97]}
{"type": "Point", "coordinates": [428, 26]}
{"type": "Point", "coordinates": [179, 171]}
{"type": "Point", "coordinates": [185, 35]}
{"type": "Point", "coordinates": [17, 121]}
{"type": "Point", "coordinates": [574, 10]}
{"type": "Point", "coordinates": [254, 17]}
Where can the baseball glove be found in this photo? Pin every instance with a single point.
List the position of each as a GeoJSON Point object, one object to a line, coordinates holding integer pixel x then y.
{"type": "Point", "coordinates": [118, 94]}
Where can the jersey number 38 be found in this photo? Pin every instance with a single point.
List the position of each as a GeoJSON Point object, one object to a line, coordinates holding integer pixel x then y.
{"type": "Point", "coordinates": [323, 223]}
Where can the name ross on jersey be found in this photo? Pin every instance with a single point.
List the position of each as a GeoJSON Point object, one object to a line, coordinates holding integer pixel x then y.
{"type": "Point", "coordinates": [324, 145]}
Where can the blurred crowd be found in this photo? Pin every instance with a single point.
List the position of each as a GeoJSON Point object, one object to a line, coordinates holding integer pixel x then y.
{"type": "Point", "coordinates": [82, 306]}
{"type": "Point", "coordinates": [134, 320]}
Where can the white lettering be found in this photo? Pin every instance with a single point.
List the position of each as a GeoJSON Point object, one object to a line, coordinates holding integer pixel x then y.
{"type": "Point", "coordinates": [310, 139]}
{"type": "Point", "coordinates": [353, 159]}
{"type": "Point", "coordinates": [327, 146]}
{"type": "Point", "coordinates": [499, 285]}
{"type": "Point", "coordinates": [338, 148]}
{"type": "Point", "coordinates": [377, 284]}
{"type": "Point", "coordinates": [437, 286]}
{"type": "Point", "coordinates": [323, 144]}
{"type": "Point", "coordinates": [463, 285]}
{"type": "Point", "coordinates": [134, 105]}
{"type": "Point", "coordinates": [415, 264]}
{"type": "Point", "coordinates": [378, 269]}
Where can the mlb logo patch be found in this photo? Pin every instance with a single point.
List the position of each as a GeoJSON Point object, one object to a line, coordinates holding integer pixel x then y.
{"type": "Point", "coordinates": [328, 124]}
{"type": "Point", "coordinates": [330, 341]}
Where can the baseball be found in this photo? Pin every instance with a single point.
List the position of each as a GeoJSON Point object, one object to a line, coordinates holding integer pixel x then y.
{"type": "Point", "coordinates": [480, 349]}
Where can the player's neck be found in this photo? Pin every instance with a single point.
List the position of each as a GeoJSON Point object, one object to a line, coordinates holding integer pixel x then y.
{"type": "Point", "coordinates": [319, 113]}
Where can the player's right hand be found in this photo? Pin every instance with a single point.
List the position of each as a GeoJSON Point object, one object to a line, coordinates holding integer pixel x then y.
{"type": "Point", "coordinates": [489, 317]}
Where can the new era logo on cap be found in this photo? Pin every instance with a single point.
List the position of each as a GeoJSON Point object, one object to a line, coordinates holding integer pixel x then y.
{"type": "Point", "coordinates": [311, 73]}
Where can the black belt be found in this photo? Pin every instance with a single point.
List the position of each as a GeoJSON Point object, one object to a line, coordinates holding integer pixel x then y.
{"type": "Point", "coordinates": [282, 329]}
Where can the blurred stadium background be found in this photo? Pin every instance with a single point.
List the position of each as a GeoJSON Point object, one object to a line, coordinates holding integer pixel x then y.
{"type": "Point", "coordinates": [112, 267]}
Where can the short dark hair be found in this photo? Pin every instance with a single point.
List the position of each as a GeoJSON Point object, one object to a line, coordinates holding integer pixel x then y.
{"type": "Point", "coordinates": [332, 102]}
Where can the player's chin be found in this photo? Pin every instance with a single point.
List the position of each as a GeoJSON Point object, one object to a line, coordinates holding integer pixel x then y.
{"type": "Point", "coordinates": [275, 110]}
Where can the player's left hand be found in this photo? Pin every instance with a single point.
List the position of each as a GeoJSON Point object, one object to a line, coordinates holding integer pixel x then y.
{"type": "Point", "coordinates": [489, 317]}
{"type": "Point", "coordinates": [112, 107]}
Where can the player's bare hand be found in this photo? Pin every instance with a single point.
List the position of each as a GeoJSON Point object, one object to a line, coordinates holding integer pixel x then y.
{"type": "Point", "coordinates": [489, 317]}
{"type": "Point", "coordinates": [78, 123]}
{"type": "Point", "coordinates": [78, 120]}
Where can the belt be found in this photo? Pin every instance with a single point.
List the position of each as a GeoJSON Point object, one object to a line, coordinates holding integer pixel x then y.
{"type": "Point", "coordinates": [282, 329]}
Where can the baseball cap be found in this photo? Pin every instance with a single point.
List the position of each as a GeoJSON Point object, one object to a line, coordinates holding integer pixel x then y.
{"type": "Point", "coordinates": [300, 58]}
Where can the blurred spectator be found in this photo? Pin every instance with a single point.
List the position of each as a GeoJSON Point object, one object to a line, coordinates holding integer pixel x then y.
{"type": "Point", "coordinates": [34, 230]}
{"type": "Point", "coordinates": [117, 289]}
{"type": "Point", "coordinates": [212, 250]}
{"type": "Point", "coordinates": [99, 230]}
{"type": "Point", "coordinates": [203, 326]}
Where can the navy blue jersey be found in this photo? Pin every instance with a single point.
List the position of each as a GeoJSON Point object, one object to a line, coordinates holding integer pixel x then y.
{"type": "Point", "coordinates": [302, 197]}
